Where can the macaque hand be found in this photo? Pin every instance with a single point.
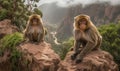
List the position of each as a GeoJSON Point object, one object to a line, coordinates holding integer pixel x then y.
{"type": "Point", "coordinates": [78, 60]}
{"type": "Point", "coordinates": [73, 57]}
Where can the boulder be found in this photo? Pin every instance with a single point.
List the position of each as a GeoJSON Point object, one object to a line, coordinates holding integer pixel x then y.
{"type": "Point", "coordinates": [95, 61]}
{"type": "Point", "coordinates": [41, 57]}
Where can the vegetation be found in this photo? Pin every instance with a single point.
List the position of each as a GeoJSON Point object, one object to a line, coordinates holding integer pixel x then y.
{"type": "Point", "coordinates": [111, 40]}
{"type": "Point", "coordinates": [63, 48]}
{"type": "Point", "coordinates": [66, 46]}
{"type": "Point", "coordinates": [9, 43]}
{"type": "Point", "coordinates": [18, 11]}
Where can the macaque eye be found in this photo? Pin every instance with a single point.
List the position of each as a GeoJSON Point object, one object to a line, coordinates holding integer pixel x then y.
{"type": "Point", "coordinates": [35, 20]}
{"type": "Point", "coordinates": [82, 21]}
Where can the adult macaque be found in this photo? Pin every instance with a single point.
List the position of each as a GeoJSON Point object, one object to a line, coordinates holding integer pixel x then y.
{"type": "Point", "coordinates": [35, 31]}
{"type": "Point", "coordinates": [87, 37]}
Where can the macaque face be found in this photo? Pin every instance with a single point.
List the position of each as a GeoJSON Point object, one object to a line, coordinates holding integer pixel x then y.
{"type": "Point", "coordinates": [34, 21]}
{"type": "Point", "coordinates": [82, 24]}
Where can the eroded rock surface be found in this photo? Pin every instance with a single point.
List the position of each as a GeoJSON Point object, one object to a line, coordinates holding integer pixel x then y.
{"type": "Point", "coordinates": [41, 57]}
{"type": "Point", "coordinates": [6, 27]}
{"type": "Point", "coordinates": [94, 61]}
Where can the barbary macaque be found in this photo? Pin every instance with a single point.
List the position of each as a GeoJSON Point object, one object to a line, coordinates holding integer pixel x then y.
{"type": "Point", "coordinates": [35, 31]}
{"type": "Point", "coordinates": [87, 37]}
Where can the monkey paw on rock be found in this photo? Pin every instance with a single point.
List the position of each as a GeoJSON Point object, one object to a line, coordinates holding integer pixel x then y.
{"type": "Point", "coordinates": [73, 57]}
{"type": "Point", "coordinates": [78, 61]}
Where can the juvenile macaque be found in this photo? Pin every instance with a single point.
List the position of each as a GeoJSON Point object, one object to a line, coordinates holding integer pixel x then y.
{"type": "Point", "coordinates": [87, 37]}
{"type": "Point", "coordinates": [34, 30]}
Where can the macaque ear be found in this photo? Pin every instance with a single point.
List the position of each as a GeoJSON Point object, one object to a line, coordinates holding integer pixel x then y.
{"type": "Point", "coordinates": [75, 18]}
{"type": "Point", "coordinates": [88, 17]}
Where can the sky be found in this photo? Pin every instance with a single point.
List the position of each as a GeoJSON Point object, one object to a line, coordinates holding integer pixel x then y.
{"type": "Point", "coordinates": [65, 3]}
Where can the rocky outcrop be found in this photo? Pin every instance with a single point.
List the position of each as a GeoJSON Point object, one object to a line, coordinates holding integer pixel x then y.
{"type": "Point", "coordinates": [94, 61]}
{"type": "Point", "coordinates": [41, 57]}
{"type": "Point", "coordinates": [35, 57]}
{"type": "Point", "coordinates": [7, 28]}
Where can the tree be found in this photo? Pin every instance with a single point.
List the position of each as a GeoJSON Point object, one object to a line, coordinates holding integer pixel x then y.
{"type": "Point", "coordinates": [18, 11]}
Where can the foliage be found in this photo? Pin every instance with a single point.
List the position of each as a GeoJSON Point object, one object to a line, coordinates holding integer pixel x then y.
{"type": "Point", "coordinates": [66, 45]}
{"type": "Point", "coordinates": [63, 48]}
{"type": "Point", "coordinates": [18, 11]}
{"type": "Point", "coordinates": [111, 40]}
{"type": "Point", "coordinates": [9, 43]}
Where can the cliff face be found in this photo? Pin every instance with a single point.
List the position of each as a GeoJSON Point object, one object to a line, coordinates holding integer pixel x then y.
{"type": "Point", "coordinates": [41, 57]}
{"type": "Point", "coordinates": [7, 28]}
{"type": "Point", "coordinates": [99, 13]}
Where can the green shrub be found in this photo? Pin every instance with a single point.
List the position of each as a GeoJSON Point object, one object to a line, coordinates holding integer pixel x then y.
{"type": "Point", "coordinates": [3, 14]}
{"type": "Point", "coordinates": [111, 40]}
{"type": "Point", "coordinates": [66, 45]}
{"type": "Point", "coordinates": [36, 10]}
{"type": "Point", "coordinates": [63, 48]}
{"type": "Point", "coordinates": [9, 43]}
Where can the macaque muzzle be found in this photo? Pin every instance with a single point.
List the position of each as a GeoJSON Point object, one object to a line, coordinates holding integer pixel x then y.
{"type": "Point", "coordinates": [82, 21]}
{"type": "Point", "coordinates": [34, 21]}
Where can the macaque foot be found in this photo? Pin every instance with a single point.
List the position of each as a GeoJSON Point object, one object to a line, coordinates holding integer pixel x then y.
{"type": "Point", "coordinates": [36, 43]}
{"type": "Point", "coordinates": [73, 57]}
{"type": "Point", "coordinates": [78, 61]}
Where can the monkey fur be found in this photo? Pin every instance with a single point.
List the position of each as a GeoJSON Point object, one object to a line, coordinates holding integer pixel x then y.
{"type": "Point", "coordinates": [90, 38]}
{"type": "Point", "coordinates": [34, 30]}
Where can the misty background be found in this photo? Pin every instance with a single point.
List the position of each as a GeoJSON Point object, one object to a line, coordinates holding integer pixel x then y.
{"type": "Point", "coordinates": [55, 10]}
{"type": "Point", "coordinates": [59, 15]}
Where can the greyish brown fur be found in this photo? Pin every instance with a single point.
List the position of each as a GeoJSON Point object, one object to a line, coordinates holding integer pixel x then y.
{"type": "Point", "coordinates": [90, 39]}
{"type": "Point", "coordinates": [34, 31]}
